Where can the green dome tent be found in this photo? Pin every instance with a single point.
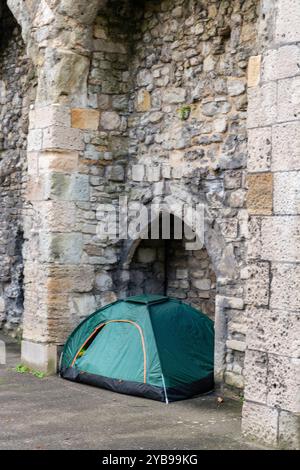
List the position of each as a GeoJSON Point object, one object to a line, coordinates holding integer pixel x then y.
{"type": "Point", "coordinates": [148, 345]}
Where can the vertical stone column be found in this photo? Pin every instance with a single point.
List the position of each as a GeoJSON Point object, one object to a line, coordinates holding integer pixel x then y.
{"type": "Point", "coordinates": [272, 365]}
{"type": "Point", "coordinates": [59, 38]}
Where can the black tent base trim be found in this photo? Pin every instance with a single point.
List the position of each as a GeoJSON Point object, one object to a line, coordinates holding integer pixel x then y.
{"type": "Point", "coordinates": [181, 392]}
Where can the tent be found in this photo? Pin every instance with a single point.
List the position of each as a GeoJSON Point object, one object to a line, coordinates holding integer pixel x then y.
{"type": "Point", "coordinates": [148, 345]}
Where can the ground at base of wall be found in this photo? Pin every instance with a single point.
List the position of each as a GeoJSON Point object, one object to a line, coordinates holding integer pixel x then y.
{"type": "Point", "coordinates": [52, 413]}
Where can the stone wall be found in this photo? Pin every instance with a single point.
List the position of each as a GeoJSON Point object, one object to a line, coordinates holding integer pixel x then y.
{"type": "Point", "coordinates": [148, 100]}
{"type": "Point", "coordinates": [272, 365]}
{"type": "Point", "coordinates": [15, 95]}
{"type": "Point", "coordinates": [165, 267]}
{"type": "Point", "coordinates": [161, 117]}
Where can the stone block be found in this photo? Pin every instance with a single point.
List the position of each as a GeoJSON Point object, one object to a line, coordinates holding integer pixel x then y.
{"type": "Point", "coordinates": [181, 273]}
{"type": "Point", "coordinates": [287, 22]}
{"type": "Point", "coordinates": [103, 281]}
{"type": "Point", "coordinates": [259, 149]}
{"type": "Point", "coordinates": [283, 383]}
{"type": "Point", "coordinates": [65, 162]}
{"type": "Point", "coordinates": [258, 284]}
{"type": "Point", "coordinates": [39, 356]}
{"type": "Point", "coordinates": [84, 118]}
{"type": "Point", "coordinates": [83, 305]}
{"type": "Point", "coordinates": [288, 106]}
{"type": "Point", "coordinates": [34, 140]}
{"type": "Point", "coordinates": [236, 345]}
{"type": "Point", "coordinates": [256, 372]}
{"type": "Point", "coordinates": [260, 193]}
{"type": "Point", "coordinates": [115, 173]}
{"type": "Point", "coordinates": [262, 105]}
{"type": "Point", "coordinates": [174, 95]}
{"type": "Point", "coordinates": [289, 431]}
{"type": "Point", "coordinates": [102, 45]}
{"type": "Point", "coordinates": [62, 279]}
{"type": "Point", "coordinates": [202, 284]}
{"type": "Point", "coordinates": [61, 186]}
{"type": "Point", "coordinates": [58, 137]}
{"type": "Point", "coordinates": [143, 101]}
{"type": "Point", "coordinates": [46, 116]}
{"type": "Point", "coordinates": [285, 287]}
{"type": "Point", "coordinates": [33, 164]}
{"type": "Point", "coordinates": [287, 193]}
{"type": "Point", "coordinates": [234, 380]}
{"type": "Point", "coordinates": [260, 423]}
{"type": "Point", "coordinates": [254, 66]}
{"type": "Point", "coordinates": [110, 120]}
{"type": "Point", "coordinates": [281, 63]}
{"type": "Point", "coordinates": [280, 238]}
{"type": "Point", "coordinates": [286, 147]}
{"type": "Point", "coordinates": [57, 216]}
{"type": "Point", "coordinates": [138, 172]}
{"type": "Point", "coordinates": [235, 86]}
{"type": "Point", "coordinates": [63, 248]}
{"type": "Point", "coordinates": [274, 331]}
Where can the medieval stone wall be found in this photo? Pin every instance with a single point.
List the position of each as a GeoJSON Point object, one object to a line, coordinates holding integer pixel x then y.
{"type": "Point", "coordinates": [148, 100]}
{"type": "Point", "coordinates": [15, 97]}
{"type": "Point", "coordinates": [188, 139]}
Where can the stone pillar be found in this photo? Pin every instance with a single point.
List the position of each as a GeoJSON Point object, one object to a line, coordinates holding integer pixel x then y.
{"type": "Point", "coordinates": [272, 364]}
{"type": "Point", "coordinates": [59, 38]}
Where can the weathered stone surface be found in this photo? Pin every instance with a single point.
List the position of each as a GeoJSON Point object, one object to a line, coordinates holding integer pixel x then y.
{"type": "Point", "coordinates": [285, 287]}
{"type": "Point", "coordinates": [83, 305]}
{"type": "Point", "coordinates": [143, 101]}
{"type": "Point", "coordinates": [287, 23]}
{"type": "Point", "coordinates": [41, 357]}
{"type": "Point", "coordinates": [288, 106]}
{"type": "Point", "coordinates": [138, 172]}
{"type": "Point", "coordinates": [234, 380]}
{"type": "Point", "coordinates": [286, 147]}
{"type": "Point", "coordinates": [110, 120]}
{"type": "Point", "coordinates": [85, 118]}
{"type": "Point", "coordinates": [70, 279]}
{"type": "Point", "coordinates": [260, 193]}
{"type": "Point", "coordinates": [281, 63]}
{"type": "Point", "coordinates": [258, 283]}
{"type": "Point", "coordinates": [34, 142]}
{"type": "Point", "coordinates": [65, 162]}
{"type": "Point", "coordinates": [56, 137]}
{"type": "Point", "coordinates": [103, 281]}
{"type": "Point", "coordinates": [287, 193]}
{"type": "Point", "coordinates": [46, 116]}
{"type": "Point", "coordinates": [254, 70]}
{"type": "Point", "coordinates": [259, 148]}
{"type": "Point", "coordinates": [235, 87]}
{"type": "Point", "coordinates": [66, 187]}
{"type": "Point", "coordinates": [262, 105]}
{"type": "Point", "coordinates": [174, 95]}
{"type": "Point", "coordinates": [62, 248]}
{"type": "Point", "coordinates": [283, 383]}
{"type": "Point", "coordinates": [256, 367]}
{"type": "Point", "coordinates": [273, 331]}
{"type": "Point", "coordinates": [276, 245]}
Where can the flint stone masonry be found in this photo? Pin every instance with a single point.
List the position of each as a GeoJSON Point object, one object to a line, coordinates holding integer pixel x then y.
{"type": "Point", "coordinates": [156, 102]}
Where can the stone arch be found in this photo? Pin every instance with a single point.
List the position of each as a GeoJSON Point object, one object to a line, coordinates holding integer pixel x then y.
{"type": "Point", "coordinates": [225, 269]}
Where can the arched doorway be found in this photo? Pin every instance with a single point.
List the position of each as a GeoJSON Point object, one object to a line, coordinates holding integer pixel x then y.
{"type": "Point", "coordinates": [169, 267]}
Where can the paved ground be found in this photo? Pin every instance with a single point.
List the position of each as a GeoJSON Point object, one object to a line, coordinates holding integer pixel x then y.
{"type": "Point", "coordinates": [52, 413]}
